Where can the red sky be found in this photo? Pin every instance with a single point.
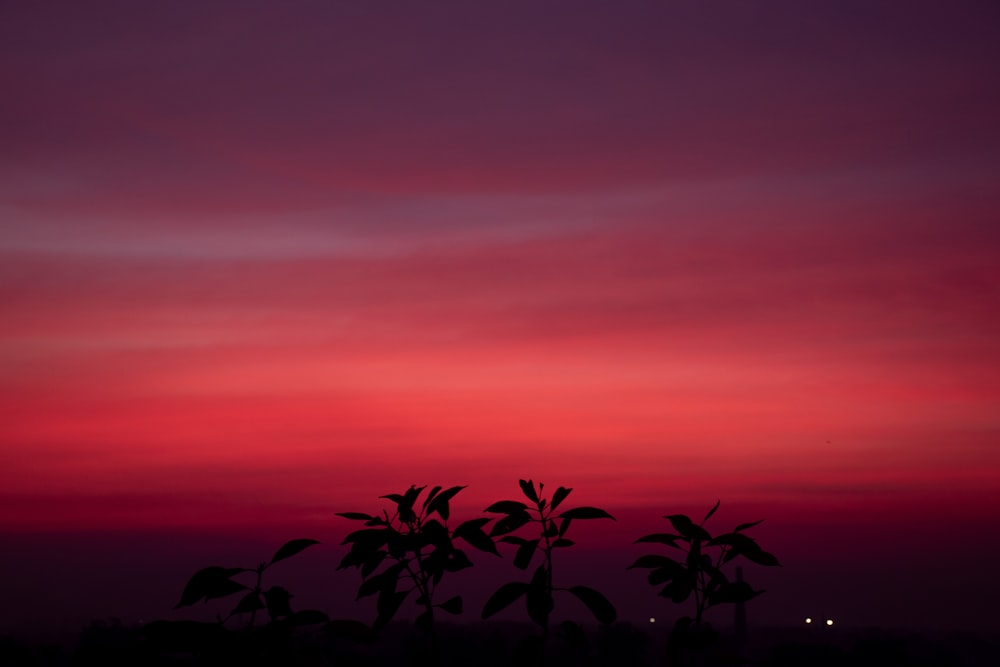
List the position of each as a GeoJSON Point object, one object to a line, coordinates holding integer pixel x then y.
{"type": "Point", "coordinates": [260, 263]}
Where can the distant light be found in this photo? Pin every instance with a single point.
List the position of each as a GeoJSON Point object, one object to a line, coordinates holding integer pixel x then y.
{"type": "Point", "coordinates": [829, 621]}
{"type": "Point", "coordinates": [652, 620]}
{"type": "Point", "coordinates": [809, 620]}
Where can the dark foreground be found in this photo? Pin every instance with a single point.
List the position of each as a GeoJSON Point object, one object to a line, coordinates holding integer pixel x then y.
{"type": "Point", "coordinates": [495, 645]}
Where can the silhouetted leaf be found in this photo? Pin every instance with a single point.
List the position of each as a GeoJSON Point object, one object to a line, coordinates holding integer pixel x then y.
{"type": "Point", "coordinates": [308, 617]}
{"type": "Point", "coordinates": [289, 549]}
{"type": "Point", "coordinates": [586, 513]}
{"type": "Point", "coordinates": [679, 589]}
{"type": "Point", "coordinates": [387, 605]}
{"type": "Point", "coordinates": [512, 539]}
{"type": "Point", "coordinates": [475, 536]}
{"type": "Point", "coordinates": [528, 488]}
{"type": "Point", "coordinates": [712, 511]}
{"type": "Point", "coordinates": [385, 580]}
{"type": "Point", "coordinates": [762, 557]}
{"type": "Point", "coordinates": [662, 575]}
{"type": "Point", "coordinates": [598, 605]}
{"type": "Point", "coordinates": [248, 603]}
{"type": "Point", "coordinates": [440, 503]}
{"type": "Point", "coordinates": [506, 507]}
{"type": "Point", "coordinates": [452, 605]}
{"type": "Point", "coordinates": [210, 583]}
{"type": "Point", "coordinates": [524, 553]}
{"type": "Point", "coordinates": [375, 536]}
{"type": "Point", "coordinates": [372, 563]}
{"type": "Point", "coordinates": [504, 597]}
{"type": "Point", "coordinates": [538, 598]}
{"type": "Point", "coordinates": [278, 601]}
{"type": "Point", "coordinates": [660, 538]}
{"type": "Point", "coordinates": [559, 496]}
{"type": "Point", "coordinates": [562, 542]}
{"type": "Point", "coordinates": [394, 497]}
{"type": "Point", "coordinates": [457, 560]}
{"type": "Point", "coordinates": [509, 523]}
{"type": "Point", "coordinates": [356, 516]}
{"type": "Point", "coordinates": [430, 496]}
{"type": "Point", "coordinates": [743, 526]}
{"type": "Point", "coordinates": [351, 630]}
{"type": "Point", "coordinates": [686, 527]}
{"type": "Point", "coordinates": [732, 592]}
{"type": "Point", "coordinates": [564, 526]}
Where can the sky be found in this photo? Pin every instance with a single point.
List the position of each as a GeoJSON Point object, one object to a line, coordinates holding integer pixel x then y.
{"type": "Point", "coordinates": [262, 262]}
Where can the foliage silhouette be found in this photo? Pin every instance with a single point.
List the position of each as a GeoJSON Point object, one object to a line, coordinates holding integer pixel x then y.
{"type": "Point", "coordinates": [258, 644]}
{"type": "Point", "coordinates": [697, 572]}
{"type": "Point", "coordinates": [539, 591]}
{"type": "Point", "coordinates": [414, 550]}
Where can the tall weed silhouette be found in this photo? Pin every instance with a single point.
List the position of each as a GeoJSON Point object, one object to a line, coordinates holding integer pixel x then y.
{"type": "Point", "coordinates": [695, 571]}
{"type": "Point", "coordinates": [409, 550]}
{"type": "Point", "coordinates": [539, 592]}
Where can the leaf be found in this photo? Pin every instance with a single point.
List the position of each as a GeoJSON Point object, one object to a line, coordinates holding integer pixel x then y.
{"type": "Point", "coordinates": [452, 605]}
{"type": "Point", "coordinates": [372, 563]}
{"type": "Point", "coordinates": [385, 580]}
{"type": "Point", "coordinates": [457, 560]}
{"type": "Point", "coordinates": [351, 630]}
{"type": "Point", "coordinates": [248, 603]}
{"type": "Point", "coordinates": [586, 513]}
{"type": "Point", "coordinates": [598, 605]}
{"type": "Point", "coordinates": [743, 526]}
{"type": "Point", "coordinates": [678, 590]}
{"type": "Point", "coordinates": [528, 488]}
{"type": "Point", "coordinates": [562, 542]}
{"type": "Point", "coordinates": [506, 507]}
{"type": "Point", "coordinates": [660, 538]}
{"type": "Point", "coordinates": [278, 601]}
{"type": "Point", "coordinates": [210, 583]}
{"type": "Point", "coordinates": [733, 592]}
{"type": "Point", "coordinates": [564, 526]}
{"type": "Point", "coordinates": [509, 523]}
{"type": "Point", "coordinates": [661, 575]}
{"type": "Point", "coordinates": [289, 549]}
{"type": "Point", "coordinates": [559, 496]}
{"type": "Point", "coordinates": [512, 539]}
{"type": "Point", "coordinates": [503, 597]}
{"type": "Point", "coordinates": [524, 553]}
{"type": "Point", "coordinates": [539, 598]}
{"type": "Point", "coordinates": [762, 557]}
{"type": "Point", "coordinates": [430, 496]}
{"type": "Point", "coordinates": [440, 503]}
{"type": "Point", "coordinates": [476, 537]}
{"type": "Point", "coordinates": [712, 511]}
{"type": "Point", "coordinates": [686, 527]}
{"type": "Point", "coordinates": [356, 516]}
{"type": "Point", "coordinates": [308, 617]}
{"type": "Point", "coordinates": [387, 605]}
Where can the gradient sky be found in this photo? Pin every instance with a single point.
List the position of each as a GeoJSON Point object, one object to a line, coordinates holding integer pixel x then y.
{"type": "Point", "coordinates": [261, 262]}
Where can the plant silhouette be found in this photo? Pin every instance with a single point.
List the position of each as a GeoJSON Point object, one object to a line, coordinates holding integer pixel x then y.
{"type": "Point", "coordinates": [697, 572]}
{"type": "Point", "coordinates": [217, 582]}
{"type": "Point", "coordinates": [539, 591]}
{"type": "Point", "coordinates": [414, 550]}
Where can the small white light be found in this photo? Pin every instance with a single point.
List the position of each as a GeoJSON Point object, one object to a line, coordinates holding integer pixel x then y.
{"type": "Point", "coordinates": [829, 621]}
{"type": "Point", "coordinates": [652, 620]}
{"type": "Point", "coordinates": [809, 620]}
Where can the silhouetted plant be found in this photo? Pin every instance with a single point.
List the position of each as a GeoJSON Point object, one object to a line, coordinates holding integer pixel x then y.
{"type": "Point", "coordinates": [218, 582]}
{"type": "Point", "coordinates": [414, 550]}
{"type": "Point", "coordinates": [540, 589]}
{"type": "Point", "coordinates": [697, 572]}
